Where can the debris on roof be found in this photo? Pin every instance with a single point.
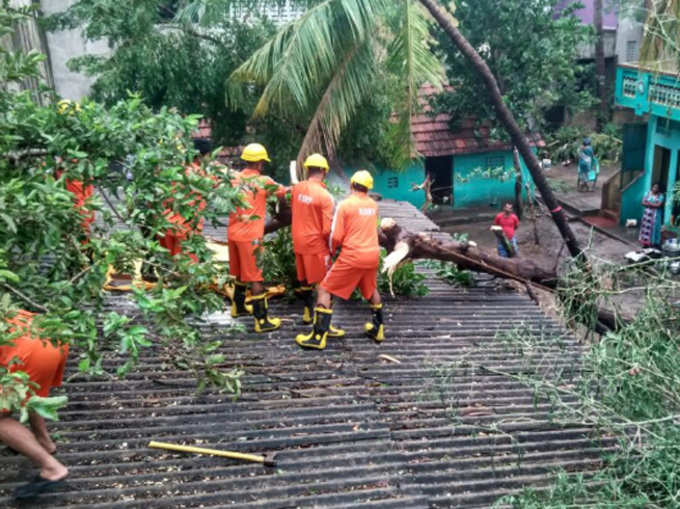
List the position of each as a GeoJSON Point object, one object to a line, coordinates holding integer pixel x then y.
{"type": "Point", "coordinates": [442, 427]}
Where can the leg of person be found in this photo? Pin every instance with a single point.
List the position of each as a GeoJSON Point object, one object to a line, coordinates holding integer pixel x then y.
{"type": "Point", "coordinates": [502, 252]}
{"type": "Point", "coordinates": [40, 431]}
{"type": "Point", "coordinates": [375, 329]}
{"type": "Point", "coordinates": [238, 301]}
{"type": "Point", "coordinates": [514, 245]}
{"type": "Point", "coordinates": [323, 315]}
{"type": "Point", "coordinates": [305, 291]}
{"type": "Point", "coordinates": [16, 436]}
{"type": "Point", "coordinates": [314, 269]}
{"type": "Point", "coordinates": [341, 280]}
{"type": "Point", "coordinates": [252, 274]}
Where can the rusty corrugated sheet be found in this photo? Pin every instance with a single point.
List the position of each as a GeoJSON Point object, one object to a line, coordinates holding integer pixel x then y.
{"type": "Point", "coordinates": [440, 429]}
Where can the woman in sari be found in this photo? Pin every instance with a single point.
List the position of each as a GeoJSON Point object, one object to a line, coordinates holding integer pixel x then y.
{"type": "Point", "coordinates": [652, 218]}
{"type": "Point", "coordinates": [588, 167]}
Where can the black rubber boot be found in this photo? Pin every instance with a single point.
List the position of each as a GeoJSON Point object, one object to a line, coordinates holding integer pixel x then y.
{"type": "Point", "coordinates": [319, 333]}
{"type": "Point", "coordinates": [375, 329]}
{"type": "Point", "coordinates": [238, 303]}
{"type": "Point", "coordinates": [306, 294]}
{"type": "Point", "coordinates": [262, 322]}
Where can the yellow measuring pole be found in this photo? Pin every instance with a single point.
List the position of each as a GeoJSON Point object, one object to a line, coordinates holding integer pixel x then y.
{"type": "Point", "coordinates": [214, 452]}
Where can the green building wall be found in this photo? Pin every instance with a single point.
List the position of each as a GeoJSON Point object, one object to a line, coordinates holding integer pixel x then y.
{"type": "Point", "coordinates": [631, 197]}
{"type": "Point", "coordinates": [470, 188]}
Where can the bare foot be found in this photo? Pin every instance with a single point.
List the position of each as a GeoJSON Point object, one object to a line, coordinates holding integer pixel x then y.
{"type": "Point", "coordinates": [54, 471]}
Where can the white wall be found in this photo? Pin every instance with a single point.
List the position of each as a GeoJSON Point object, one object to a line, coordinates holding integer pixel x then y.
{"type": "Point", "coordinates": [65, 45]}
{"type": "Point", "coordinates": [629, 37]}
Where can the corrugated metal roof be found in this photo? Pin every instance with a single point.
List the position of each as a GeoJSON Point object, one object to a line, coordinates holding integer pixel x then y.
{"type": "Point", "coordinates": [441, 429]}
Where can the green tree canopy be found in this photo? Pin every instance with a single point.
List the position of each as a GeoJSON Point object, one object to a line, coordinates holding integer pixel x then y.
{"type": "Point", "coordinates": [137, 161]}
{"type": "Point", "coordinates": [172, 53]}
{"type": "Point", "coordinates": [531, 51]}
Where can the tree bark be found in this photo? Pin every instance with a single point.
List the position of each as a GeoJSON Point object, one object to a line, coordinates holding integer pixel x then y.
{"type": "Point", "coordinates": [402, 244]}
{"type": "Point", "coordinates": [507, 119]}
{"type": "Point", "coordinates": [519, 208]}
{"type": "Point", "coordinates": [600, 70]}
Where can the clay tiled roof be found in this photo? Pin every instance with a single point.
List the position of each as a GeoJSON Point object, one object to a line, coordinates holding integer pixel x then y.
{"type": "Point", "coordinates": [228, 155]}
{"type": "Point", "coordinates": [433, 136]}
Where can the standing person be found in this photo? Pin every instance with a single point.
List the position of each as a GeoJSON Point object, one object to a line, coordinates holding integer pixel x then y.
{"type": "Point", "coordinates": [182, 229]}
{"type": "Point", "coordinates": [44, 363]}
{"type": "Point", "coordinates": [245, 234]}
{"type": "Point", "coordinates": [355, 230]}
{"type": "Point", "coordinates": [82, 191]}
{"type": "Point", "coordinates": [312, 211]}
{"type": "Point", "coordinates": [586, 166]}
{"type": "Point", "coordinates": [652, 218]}
{"type": "Point", "coordinates": [509, 222]}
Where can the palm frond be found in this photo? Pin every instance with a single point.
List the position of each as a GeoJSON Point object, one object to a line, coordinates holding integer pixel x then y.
{"type": "Point", "coordinates": [304, 55]}
{"type": "Point", "coordinates": [342, 96]}
{"type": "Point", "coordinates": [410, 56]}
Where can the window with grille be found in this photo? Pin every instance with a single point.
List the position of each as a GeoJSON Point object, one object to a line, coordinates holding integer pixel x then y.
{"type": "Point", "coordinates": [392, 182]}
{"type": "Point", "coordinates": [631, 51]}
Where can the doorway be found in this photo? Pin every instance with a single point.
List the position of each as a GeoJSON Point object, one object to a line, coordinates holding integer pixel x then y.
{"type": "Point", "coordinates": [440, 170]}
{"type": "Point", "coordinates": [661, 167]}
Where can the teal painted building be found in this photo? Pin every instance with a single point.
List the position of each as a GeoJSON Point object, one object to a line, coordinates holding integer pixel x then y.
{"type": "Point", "coordinates": [461, 180]}
{"type": "Point", "coordinates": [468, 168]}
{"type": "Point", "coordinates": [651, 147]}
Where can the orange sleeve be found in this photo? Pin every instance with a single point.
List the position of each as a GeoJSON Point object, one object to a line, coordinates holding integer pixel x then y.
{"type": "Point", "coordinates": [337, 233]}
{"type": "Point", "coordinates": [280, 190]}
{"type": "Point", "coordinates": [327, 213]}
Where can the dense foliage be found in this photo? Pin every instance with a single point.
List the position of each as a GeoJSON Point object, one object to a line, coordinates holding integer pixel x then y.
{"type": "Point", "coordinates": [625, 387]}
{"type": "Point", "coordinates": [168, 53]}
{"type": "Point", "coordinates": [532, 53]}
{"type": "Point", "coordinates": [137, 160]}
{"type": "Point", "coordinates": [564, 144]}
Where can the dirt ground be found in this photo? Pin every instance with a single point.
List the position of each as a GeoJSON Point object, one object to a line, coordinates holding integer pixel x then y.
{"type": "Point", "coordinates": [599, 247]}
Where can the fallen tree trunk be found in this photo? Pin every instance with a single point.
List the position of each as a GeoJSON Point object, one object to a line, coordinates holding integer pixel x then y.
{"type": "Point", "coordinates": [402, 244]}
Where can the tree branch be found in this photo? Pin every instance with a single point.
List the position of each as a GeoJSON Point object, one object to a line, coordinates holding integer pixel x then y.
{"type": "Point", "coordinates": [25, 298]}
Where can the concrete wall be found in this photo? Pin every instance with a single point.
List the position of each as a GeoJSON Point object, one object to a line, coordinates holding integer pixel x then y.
{"type": "Point", "coordinates": [65, 45]}
{"type": "Point", "coordinates": [629, 33]}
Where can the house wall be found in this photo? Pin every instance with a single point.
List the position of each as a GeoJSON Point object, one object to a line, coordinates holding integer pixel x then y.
{"type": "Point", "coordinates": [67, 44]}
{"type": "Point", "coordinates": [470, 189]}
{"type": "Point", "coordinates": [631, 200]}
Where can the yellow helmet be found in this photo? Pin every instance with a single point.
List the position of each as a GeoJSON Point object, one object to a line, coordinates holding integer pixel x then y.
{"type": "Point", "coordinates": [363, 178]}
{"type": "Point", "coordinates": [316, 161]}
{"type": "Point", "coordinates": [254, 152]}
{"type": "Point", "coordinates": [67, 106]}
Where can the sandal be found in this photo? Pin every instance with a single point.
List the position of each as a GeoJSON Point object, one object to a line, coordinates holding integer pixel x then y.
{"type": "Point", "coordinates": [36, 487]}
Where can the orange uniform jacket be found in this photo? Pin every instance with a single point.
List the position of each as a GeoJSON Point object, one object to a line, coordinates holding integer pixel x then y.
{"type": "Point", "coordinates": [81, 193]}
{"type": "Point", "coordinates": [174, 217]}
{"type": "Point", "coordinates": [255, 195]}
{"type": "Point", "coordinates": [312, 210]}
{"type": "Point", "coordinates": [355, 228]}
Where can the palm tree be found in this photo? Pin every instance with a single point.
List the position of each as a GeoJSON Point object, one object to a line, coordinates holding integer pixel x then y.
{"type": "Point", "coordinates": [324, 61]}
{"type": "Point", "coordinates": [325, 64]}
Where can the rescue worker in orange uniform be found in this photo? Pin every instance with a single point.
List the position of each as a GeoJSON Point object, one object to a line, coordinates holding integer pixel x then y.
{"type": "Point", "coordinates": [81, 191]}
{"type": "Point", "coordinates": [312, 213]}
{"type": "Point", "coordinates": [44, 363]}
{"type": "Point", "coordinates": [355, 230]}
{"type": "Point", "coordinates": [245, 234]}
{"type": "Point", "coordinates": [181, 229]}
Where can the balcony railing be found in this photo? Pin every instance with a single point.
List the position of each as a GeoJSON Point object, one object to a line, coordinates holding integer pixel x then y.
{"type": "Point", "coordinates": [647, 91]}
